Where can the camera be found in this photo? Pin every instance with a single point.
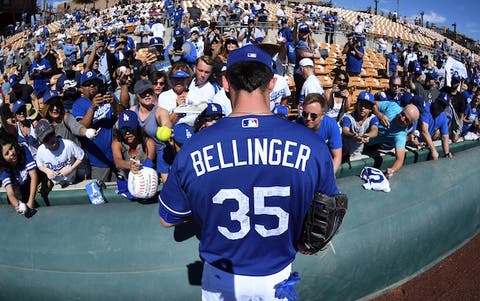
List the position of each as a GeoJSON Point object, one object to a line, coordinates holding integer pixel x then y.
{"type": "Point", "coordinates": [102, 88]}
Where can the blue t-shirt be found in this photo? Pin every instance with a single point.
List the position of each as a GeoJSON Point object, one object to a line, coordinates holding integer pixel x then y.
{"type": "Point", "coordinates": [248, 181]}
{"type": "Point", "coordinates": [19, 174]}
{"type": "Point", "coordinates": [470, 114]}
{"type": "Point", "coordinates": [393, 62]}
{"type": "Point", "coordinates": [354, 63]}
{"type": "Point", "coordinates": [330, 133]}
{"type": "Point", "coordinates": [396, 133]}
{"type": "Point", "coordinates": [99, 150]}
{"type": "Point", "coordinates": [40, 82]}
{"type": "Point", "coordinates": [434, 123]}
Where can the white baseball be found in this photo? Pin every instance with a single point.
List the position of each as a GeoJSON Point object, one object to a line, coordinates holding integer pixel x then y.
{"type": "Point", "coordinates": [22, 207]}
{"type": "Point", "coordinates": [144, 184]}
{"type": "Point", "coordinates": [122, 69]}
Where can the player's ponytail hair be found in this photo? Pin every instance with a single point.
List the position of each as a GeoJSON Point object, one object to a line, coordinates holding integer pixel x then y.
{"type": "Point", "coordinates": [249, 76]}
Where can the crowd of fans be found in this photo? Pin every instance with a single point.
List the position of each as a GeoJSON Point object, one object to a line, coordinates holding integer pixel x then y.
{"type": "Point", "coordinates": [61, 126]}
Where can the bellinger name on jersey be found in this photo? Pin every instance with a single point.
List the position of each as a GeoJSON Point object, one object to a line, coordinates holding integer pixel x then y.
{"type": "Point", "coordinates": [254, 151]}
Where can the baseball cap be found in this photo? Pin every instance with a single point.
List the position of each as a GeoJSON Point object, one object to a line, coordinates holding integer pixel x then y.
{"type": "Point", "coordinates": [21, 51]}
{"type": "Point", "coordinates": [249, 53]}
{"type": "Point", "coordinates": [180, 74]}
{"type": "Point", "coordinates": [88, 77]}
{"type": "Point", "coordinates": [213, 109]}
{"type": "Point", "coordinates": [280, 110]}
{"type": "Point", "coordinates": [444, 98]}
{"type": "Point", "coordinates": [43, 129]}
{"type": "Point", "coordinates": [231, 40]}
{"type": "Point", "coordinates": [127, 49]}
{"type": "Point", "coordinates": [178, 32]}
{"type": "Point", "coordinates": [419, 102]}
{"type": "Point", "coordinates": [195, 29]}
{"type": "Point", "coordinates": [18, 105]}
{"type": "Point", "coordinates": [50, 95]}
{"type": "Point", "coordinates": [128, 118]}
{"type": "Point", "coordinates": [366, 96]}
{"type": "Point", "coordinates": [123, 30]}
{"type": "Point", "coordinates": [142, 86]}
{"type": "Point", "coordinates": [13, 80]}
{"type": "Point", "coordinates": [455, 78]}
{"type": "Point", "coordinates": [306, 62]}
{"type": "Point", "coordinates": [155, 41]}
{"type": "Point", "coordinates": [304, 28]}
{"type": "Point", "coordinates": [431, 75]}
{"type": "Point", "coordinates": [182, 132]}
{"type": "Point", "coordinates": [406, 99]}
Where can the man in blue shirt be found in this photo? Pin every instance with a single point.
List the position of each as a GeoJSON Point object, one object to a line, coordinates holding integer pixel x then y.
{"type": "Point", "coordinates": [40, 71]}
{"type": "Point", "coordinates": [98, 111]}
{"type": "Point", "coordinates": [313, 116]}
{"type": "Point", "coordinates": [394, 131]}
{"type": "Point", "coordinates": [434, 118]}
{"type": "Point", "coordinates": [354, 52]}
{"type": "Point", "coordinates": [250, 226]}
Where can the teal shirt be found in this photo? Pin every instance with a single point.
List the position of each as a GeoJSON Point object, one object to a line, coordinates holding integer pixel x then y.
{"type": "Point", "coordinates": [395, 134]}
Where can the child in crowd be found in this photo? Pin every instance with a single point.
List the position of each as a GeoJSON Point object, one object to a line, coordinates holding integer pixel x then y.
{"type": "Point", "coordinates": [57, 157]}
{"type": "Point", "coordinates": [359, 126]}
{"type": "Point", "coordinates": [18, 172]}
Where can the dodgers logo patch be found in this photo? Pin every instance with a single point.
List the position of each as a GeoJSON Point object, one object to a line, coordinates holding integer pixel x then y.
{"type": "Point", "coordinates": [250, 123]}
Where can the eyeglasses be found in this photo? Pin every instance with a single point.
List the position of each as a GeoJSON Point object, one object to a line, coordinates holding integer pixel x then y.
{"type": "Point", "coordinates": [145, 93]}
{"type": "Point", "coordinates": [159, 83]}
{"type": "Point", "coordinates": [313, 116]}
{"type": "Point", "coordinates": [213, 118]}
{"type": "Point", "coordinates": [21, 112]}
{"type": "Point", "coordinates": [126, 129]}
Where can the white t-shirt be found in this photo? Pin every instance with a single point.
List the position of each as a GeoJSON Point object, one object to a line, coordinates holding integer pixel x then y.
{"type": "Point", "coordinates": [311, 85]}
{"type": "Point", "coordinates": [158, 30]}
{"type": "Point", "coordinates": [65, 155]}
{"type": "Point", "coordinates": [222, 99]}
{"type": "Point", "coordinates": [280, 91]}
{"type": "Point", "coordinates": [168, 101]}
{"type": "Point", "coordinates": [200, 94]}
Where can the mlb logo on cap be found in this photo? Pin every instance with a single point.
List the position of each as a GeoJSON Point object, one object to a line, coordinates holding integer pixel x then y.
{"type": "Point", "coordinates": [249, 53]}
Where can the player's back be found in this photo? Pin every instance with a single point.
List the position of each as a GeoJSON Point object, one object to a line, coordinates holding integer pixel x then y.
{"type": "Point", "coordinates": [249, 181]}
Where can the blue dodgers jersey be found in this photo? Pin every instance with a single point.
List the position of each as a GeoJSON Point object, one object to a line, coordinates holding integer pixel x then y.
{"type": "Point", "coordinates": [434, 123]}
{"type": "Point", "coordinates": [249, 190]}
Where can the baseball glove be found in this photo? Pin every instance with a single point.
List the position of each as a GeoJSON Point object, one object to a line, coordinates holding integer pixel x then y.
{"type": "Point", "coordinates": [322, 221]}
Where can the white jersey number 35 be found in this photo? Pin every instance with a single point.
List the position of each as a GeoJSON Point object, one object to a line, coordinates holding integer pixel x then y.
{"type": "Point", "coordinates": [259, 194]}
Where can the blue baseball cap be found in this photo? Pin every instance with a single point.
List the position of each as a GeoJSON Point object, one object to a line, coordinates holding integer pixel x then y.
{"type": "Point", "coordinates": [304, 28]}
{"type": "Point", "coordinates": [128, 118]}
{"type": "Point", "coordinates": [127, 49]}
{"type": "Point", "coordinates": [381, 96]}
{"type": "Point", "coordinates": [182, 132]}
{"type": "Point", "coordinates": [456, 78]}
{"type": "Point", "coordinates": [249, 53]}
{"type": "Point", "coordinates": [406, 99]}
{"type": "Point", "coordinates": [155, 41]}
{"type": "Point", "coordinates": [180, 74]}
{"type": "Point", "coordinates": [419, 102]}
{"type": "Point", "coordinates": [18, 105]}
{"type": "Point", "coordinates": [123, 30]}
{"type": "Point", "coordinates": [366, 96]}
{"type": "Point", "coordinates": [431, 75]}
{"type": "Point", "coordinates": [87, 77]}
{"type": "Point", "coordinates": [443, 98]}
{"type": "Point", "coordinates": [13, 80]}
{"type": "Point", "coordinates": [213, 109]}
{"type": "Point", "coordinates": [50, 95]}
{"type": "Point", "coordinates": [178, 32]}
{"type": "Point", "coordinates": [280, 110]}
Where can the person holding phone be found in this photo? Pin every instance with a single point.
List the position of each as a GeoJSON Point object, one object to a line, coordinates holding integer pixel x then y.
{"type": "Point", "coordinates": [354, 51]}
{"type": "Point", "coordinates": [339, 99]}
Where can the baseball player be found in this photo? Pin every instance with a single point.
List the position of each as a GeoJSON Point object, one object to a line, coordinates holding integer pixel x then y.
{"type": "Point", "coordinates": [248, 181]}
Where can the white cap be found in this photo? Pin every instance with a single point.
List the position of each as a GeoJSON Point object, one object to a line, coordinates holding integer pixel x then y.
{"type": "Point", "coordinates": [21, 51]}
{"type": "Point", "coordinates": [306, 62]}
{"type": "Point", "coordinates": [195, 29]}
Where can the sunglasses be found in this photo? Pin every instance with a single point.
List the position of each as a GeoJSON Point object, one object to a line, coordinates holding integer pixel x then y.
{"type": "Point", "coordinates": [21, 112]}
{"type": "Point", "coordinates": [313, 116]}
{"type": "Point", "coordinates": [365, 104]}
{"type": "Point", "coordinates": [213, 118]}
{"type": "Point", "coordinates": [145, 93]}
{"type": "Point", "coordinates": [126, 129]}
{"type": "Point", "coordinates": [159, 83]}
